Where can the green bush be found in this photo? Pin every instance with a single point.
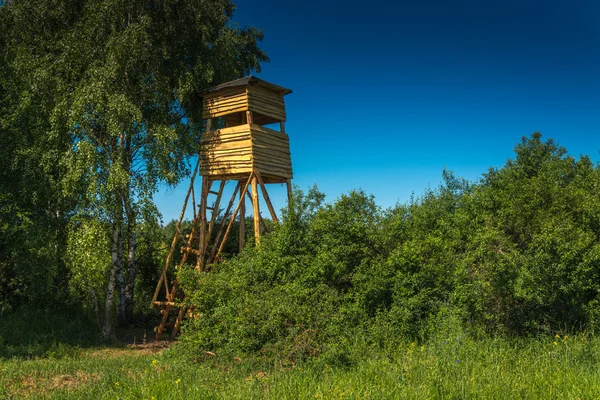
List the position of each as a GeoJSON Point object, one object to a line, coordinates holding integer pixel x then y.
{"type": "Point", "coordinates": [515, 253]}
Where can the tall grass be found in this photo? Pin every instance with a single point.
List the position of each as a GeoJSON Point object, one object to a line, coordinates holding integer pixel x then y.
{"type": "Point", "coordinates": [448, 368]}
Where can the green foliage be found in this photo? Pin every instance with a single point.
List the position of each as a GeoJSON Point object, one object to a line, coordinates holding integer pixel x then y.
{"type": "Point", "coordinates": [516, 253]}
{"type": "Point", "coordinates": [100, 101]}
{"type": "Point", "coordinates": [88, 258]}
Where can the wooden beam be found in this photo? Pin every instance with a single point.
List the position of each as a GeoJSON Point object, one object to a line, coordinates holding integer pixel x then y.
{"type": "Point", "coordinates": [193, 204]}
{"type": "Point", "coordinates": [264, 224]}
{"type": "Point", "coordinates": [174, 242]}
{"type": "Point", "coordinates": [166, 282]}
{"type": "Point", "coordinates": [215, 211]}
{"type": "Point", "coordinates": [161, 326]}
{"type": "Point", "coordinates": [206, 182]}
{"type": "Point", "coordinates": [289, 192]}
{"type": "Point", "coordinates": [177, 322]}
{"type": "Point", "coordinates": [222, 226]}
{"type": "Point", "coordinates": [255, 210]}
{"type": "Point", "coordinates": [202, 241]}
{"type": "Point", "coordinates": [164, 303]}
{"type": "Point", "coordinates": [231, 220]}
{"type": "Point", "coordinates": [171, 296]}
{"type": "Point", "coordinates": [266, 196]}
{"type": "Point", "coordinates": [170, 304]}
{"type": "Point", "coordinates": [242, 239]}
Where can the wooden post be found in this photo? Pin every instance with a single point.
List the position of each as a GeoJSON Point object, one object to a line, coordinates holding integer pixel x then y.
{"type": "Point", "coordinates": [242, 218]}
{"type": "Point", "coordinates": [237, 209]}
{"type": "Point", "coordinates": [281, 126]}
{"type": "Point", "coordinates": [206, 184]}
{"type": "Point", "coordinates": [290, 193]}
{"type": "Point", "coordinates": [170, 303]}
{"type": "Point", "coordinates": [267, 198]}
{"type": "Point", "coordinates": [255, 210]}
{"type": "Point", "coordinates": [193, 204]}
{"type": "Point", "coordinates": [177, 322]}
{"type": "Point", "coordinates": [222, 226]}
{"type": "Point", "coordinates": [215, 212]}
{"type": "Point", "coordinates": [202, 217]}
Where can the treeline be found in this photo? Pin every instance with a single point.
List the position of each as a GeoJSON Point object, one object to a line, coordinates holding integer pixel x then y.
{"type": "Point", "coordinates": [515, 253]}
{"type": "Point", "coordinates": [100, 103]}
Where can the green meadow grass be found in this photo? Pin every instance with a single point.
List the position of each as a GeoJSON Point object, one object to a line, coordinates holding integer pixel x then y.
{"type": "Point", "coordinates": [543, 368]}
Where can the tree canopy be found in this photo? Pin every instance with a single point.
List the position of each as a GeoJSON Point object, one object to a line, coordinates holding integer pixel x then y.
{"type": "Point", "coordinates": [101, 101]}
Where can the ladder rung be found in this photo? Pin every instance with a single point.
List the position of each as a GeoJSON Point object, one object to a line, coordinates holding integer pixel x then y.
{"type": "Point", "coordinates": [213, 192]}
{"type": "Point", "coordinates": [210, 208]}
{"type": "Point", "coordinates": [193, 251]}
{"type": "Point", "coordinates": [164, 303]}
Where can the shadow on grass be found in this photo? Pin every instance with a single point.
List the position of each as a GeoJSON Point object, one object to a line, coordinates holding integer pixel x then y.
{"type": "Point", "coordinates": [30, 332]}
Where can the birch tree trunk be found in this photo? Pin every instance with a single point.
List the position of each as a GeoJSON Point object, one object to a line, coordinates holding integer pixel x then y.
{"type": "Point", "coordinates": [120, 273]}
{"type": "Point", "coordinates": [124, 159]}
{"type": "Point", "coordinates": [110, 287]}
{"type": "Point", "coordinates": [131, 262]}
{"type": "Point", "coordinates": [130, 212]}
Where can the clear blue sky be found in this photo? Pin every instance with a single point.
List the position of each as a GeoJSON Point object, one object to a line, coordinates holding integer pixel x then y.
{"type": "Point", "coordinates": [387, 94]}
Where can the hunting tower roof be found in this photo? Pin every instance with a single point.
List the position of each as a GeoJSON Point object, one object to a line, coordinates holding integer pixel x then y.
{"type": "Point", "coordinates": [250, 81]}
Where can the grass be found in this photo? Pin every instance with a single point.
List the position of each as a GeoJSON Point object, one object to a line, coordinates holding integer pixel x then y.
{"type": "Point", "coordinates": [548, 368]}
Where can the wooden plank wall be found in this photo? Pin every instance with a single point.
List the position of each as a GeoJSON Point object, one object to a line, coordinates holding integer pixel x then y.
{"type": "Point", "coordinates": [226, 151]}
{"type": "Point", "coordinates": [271, 152]}
{"type": "Point", "coordinates": [225, 101]}
{"type": "Point", "coordinates": [266, 102]}
{"type": "Point", "coordinates": [244, 148]}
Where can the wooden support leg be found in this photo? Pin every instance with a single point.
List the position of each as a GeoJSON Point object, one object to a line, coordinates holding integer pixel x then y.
{"type": "Point", "coordinates": [163, 276]}
{"type": "Point", "coordinates": [215, 211]}
{"type": "Point", "coordinates": [202, 217]}
{"type": "Point", "coordinates": [242, 218]}
{"type": "Point", "coordinates": [267, 198]}
{"type": "Point", "coordinates": [264, 225]}
{"type": "Point", "coordinates": [255, 210]}
{"type": "Point", "coordinates": [177, 322]}
{"type": "Point", "coordinates": [237, 209]}
{"type": "Point", "coordinates": [166, 282]}
{"type": "Point", "coordinates": [193, 204]}
{"type": "Point", "coordinates": [290, 192]}
{"type": "Point", "coordinates": [161, 327]}
{"type": "Point", "coordinates": [222, 226]}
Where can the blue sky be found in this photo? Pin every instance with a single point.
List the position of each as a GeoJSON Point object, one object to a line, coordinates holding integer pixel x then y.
{"type": "Point", "coordinates": [388, 93]}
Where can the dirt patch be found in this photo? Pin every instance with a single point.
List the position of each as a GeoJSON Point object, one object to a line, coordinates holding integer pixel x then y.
{"type": "Point", "coordinates": [34, 386]}
{"type": "Point", "coordinates": [131, 350]}
{"type": "Point", "coordinates": [153, 347]}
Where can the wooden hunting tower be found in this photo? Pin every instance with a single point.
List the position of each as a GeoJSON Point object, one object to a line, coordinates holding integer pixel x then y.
{"type": "Point", "coordinates": [244, 145]}
{"type": "Point", "coordinates": [239, 149]}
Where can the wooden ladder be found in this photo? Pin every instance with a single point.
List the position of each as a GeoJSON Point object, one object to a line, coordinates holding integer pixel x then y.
{"type": "Point", "coordinates": [198, 242]}
{"type": "Point", "coordinates": [195, 244]}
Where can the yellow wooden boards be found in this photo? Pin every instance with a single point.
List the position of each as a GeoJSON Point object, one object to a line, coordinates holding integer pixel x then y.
{"type": "Point", "coordinates": [271, 152]}
{"type": "Point", "coordinates": [266, 102]}
{"type": "Point", "coordinates": [237, 99]}
{"type": "Point", "coordinates": [225, 101]}
{"type": "Point", "coordinates": [245, 148]}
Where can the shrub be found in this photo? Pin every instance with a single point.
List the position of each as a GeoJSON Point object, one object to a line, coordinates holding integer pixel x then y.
{"type": "Point", "coordinates": [515, 253]}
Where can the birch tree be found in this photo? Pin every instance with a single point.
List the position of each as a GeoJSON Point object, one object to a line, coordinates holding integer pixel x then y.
{"type": "Point", "coordinates": [127, 77]}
